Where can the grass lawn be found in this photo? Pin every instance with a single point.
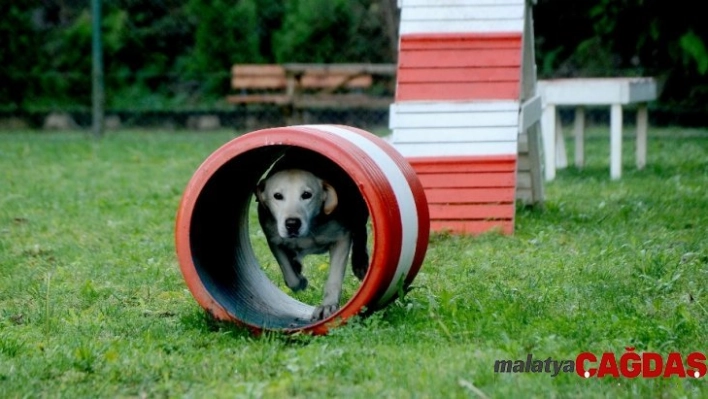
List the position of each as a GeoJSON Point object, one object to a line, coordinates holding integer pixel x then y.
{"type": "Point", "coordinates": [92, 303]}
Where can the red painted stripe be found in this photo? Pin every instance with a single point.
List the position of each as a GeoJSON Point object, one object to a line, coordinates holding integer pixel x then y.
{"type": "Point", "coordinates": [445, 160]}
{"type": "Point", "coordinates": [492, 165]}
{"type": "Point", "coordinates": [457, 91]}
{"type": "Point", "coordinates": [471, 212]}
{"type": "Point", "coordinates": [453, 180]}
{"type": "Point", "coordinates": [441, 75]}
{"type": "Point", "coordinates": [460, 43]}
{"type": "Point", "coordinates": [472, 226]}
{"type": "Point", "coordinates": [419, 195]}
{"type": "Point", "coordinates": [454, 36]}
{"type": "Point", "coordinates": [470, 195]}
{"type": "Point", "coordinates": [385, 216]}
{"type": "Point", "coordinates": [457, 59]}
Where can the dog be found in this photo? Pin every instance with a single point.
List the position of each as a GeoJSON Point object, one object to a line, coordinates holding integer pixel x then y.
{"type": "Point", "coordinates": [308, 205]}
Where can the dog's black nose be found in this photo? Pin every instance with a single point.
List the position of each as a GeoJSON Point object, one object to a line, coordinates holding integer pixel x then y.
{"type": "Point", "coordinates": [292, 225]}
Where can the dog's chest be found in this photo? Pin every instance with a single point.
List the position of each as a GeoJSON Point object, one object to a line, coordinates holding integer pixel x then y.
{"type": "Point", "coordinates": [319, 241]}
{"type": "Point", "coordinates": [306, 245]}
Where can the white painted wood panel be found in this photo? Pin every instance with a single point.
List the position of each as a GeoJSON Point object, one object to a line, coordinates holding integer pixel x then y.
{"type": "Point", "coordinates": [486, 26]}
{"type": "Point", "coordinates": [466, 13]}
{"type": "Point", "coordinates": [644, 91]}
{"type": "Point", "coordinates": [597, 91]}
{"type": "Point", "coordinates": [531, 111]}
{"type": "Point", "coordinates": [456, 119]}
{"type": "Point", "coordinates": [454, 135]}
{"type": "Point", "coordinates": [456, 149]}
{"type": "Point", "coordinates": [429, 3]}
{"type": "Point", "coordinates": [413, 107]}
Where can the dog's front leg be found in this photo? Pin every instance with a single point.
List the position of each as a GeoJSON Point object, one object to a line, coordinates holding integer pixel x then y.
{"type": "Point", "coordinates": [290, 267]}
{"type": "Point", "coordinates": [338, 254]}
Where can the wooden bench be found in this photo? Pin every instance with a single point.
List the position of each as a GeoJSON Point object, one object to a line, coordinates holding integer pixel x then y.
{"type": "Point", "coordinates": [297, 86]}
{"type": "Point", "coordinates": [581, 92]}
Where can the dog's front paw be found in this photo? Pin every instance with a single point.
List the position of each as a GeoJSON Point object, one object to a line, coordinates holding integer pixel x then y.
{"type": "Point", "coordinates": [324, 311]}
{"type": "Point", "coordinates": [300, 285]}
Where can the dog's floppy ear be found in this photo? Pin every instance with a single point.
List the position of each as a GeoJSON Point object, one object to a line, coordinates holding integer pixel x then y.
{"type": "Point", "coordinates": [330, 198]}
{"type": "Point", "coordinates": [260, 188]}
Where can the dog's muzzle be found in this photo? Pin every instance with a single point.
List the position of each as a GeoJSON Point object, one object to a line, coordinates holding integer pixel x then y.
{"type": "Point", "coordinates": [292, 227]}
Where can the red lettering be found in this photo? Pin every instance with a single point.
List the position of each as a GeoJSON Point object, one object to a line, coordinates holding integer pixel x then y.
{"type": "Point", "coordinates": [674, 366]}
{"type": "Point", "coordinates": [647, 359]}
{"type": "Point", "coordinates": [697, 363]}
{"type": "Point", "coordinates": [630, 364]}
{"type": "Point", "coordinates": [608, 365]}
{"type": "Point", "coordinates": [580, 365]}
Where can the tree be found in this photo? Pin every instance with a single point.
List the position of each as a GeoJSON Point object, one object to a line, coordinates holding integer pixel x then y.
{"type": "Point", "coordinates": [226, 33]}
{"type": "Point", "coordinates": [18, 55]}
{"type": "Point", "coordinates": [331, 31]}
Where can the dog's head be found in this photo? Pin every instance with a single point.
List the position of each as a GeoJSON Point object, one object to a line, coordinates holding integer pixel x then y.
{"type": "Point", "coordinates": [295, 197]}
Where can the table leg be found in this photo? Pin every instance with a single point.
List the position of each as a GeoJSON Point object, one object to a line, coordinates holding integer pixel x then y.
{"type": "Point", "coordinates": [548, 132]}
{"type": "Point", "coordinates": [642, 123]}
{"type": "Point", "coordinates": [561, 154]}
{"type": "Point", "coordinates": [616, 141]}
{"type": "Point", "coordinates": [579, 137]}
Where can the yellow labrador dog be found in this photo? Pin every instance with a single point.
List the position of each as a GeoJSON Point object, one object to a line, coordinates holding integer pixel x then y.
{"type": "Point", "coordinates": [302, 213]}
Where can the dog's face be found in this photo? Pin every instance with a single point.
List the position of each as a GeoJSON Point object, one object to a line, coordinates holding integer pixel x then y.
{"type": "Point", "coordinates": [295, 197]}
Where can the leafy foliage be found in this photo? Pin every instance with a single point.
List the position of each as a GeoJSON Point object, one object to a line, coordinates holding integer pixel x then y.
{"type": "Point", "coordinates": [162, 53]}
{"type": "Point", "coordinates": [628, 38]}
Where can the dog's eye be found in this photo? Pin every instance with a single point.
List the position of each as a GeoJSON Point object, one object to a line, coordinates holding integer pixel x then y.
{"type": "Point", "coordinates": [278, 196]}
{"type": "Point", "coordinates": [306, 195]}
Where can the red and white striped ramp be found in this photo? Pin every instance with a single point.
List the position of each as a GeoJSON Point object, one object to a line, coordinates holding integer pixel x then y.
{"type": "Point", "coordinates": [466, 110]}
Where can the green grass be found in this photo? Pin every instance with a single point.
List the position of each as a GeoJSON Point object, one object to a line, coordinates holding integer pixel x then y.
{"type": "Point", "coordinates": [92, 303]}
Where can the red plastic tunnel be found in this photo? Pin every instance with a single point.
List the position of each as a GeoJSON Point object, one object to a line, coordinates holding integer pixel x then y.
{"type": "Point", "coordinates": [212, 240]}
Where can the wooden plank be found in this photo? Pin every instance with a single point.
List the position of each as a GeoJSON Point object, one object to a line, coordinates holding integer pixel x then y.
{"type": "Point", "coordinates": [453, 180]}
{"type": "Point", "coordinates": [525, 196]}
{"type": "Point", "coordinates": [258, 82]}
{"type": "Point", "coordinates": [460, 59]}
{"type": "Point", "coordinates": [258, 99]}
{"type": "Point", "coordinates": [456, 119]}
{"type": "Point", "coordinates": [459, 41]}
{"type": "Point", "coordinates": [471, 211]}
{"type": "Point", "coordinates": [456, 149]}
{"type": "Point", "coordinates": [341, 100]}
{"type": "Point", "coordinates": [508, 25]}
{"type": "Point", "coordinates": [523, 180]}
{"type": "Point", "coordinates": [457, 91]}
{"type": "Point", "coordinates": [597, 91]}
{"type": "Point", "coordinates": [455, 135]}
{"type": "Point", "coordinates": [258, 69]}
{"type": "Point", "coordinates": [469, 195]}
{"type": "Point", "coordinates": [531, 111]}
{"type": "Point", "coordinates": [463, 12]}
{"type": "Point", "coordinates": [297, 68]}
{"type": "Point", "coordinates": [329, 79]}
{"type": "Point", "coordinates": [642, 123]}
{"type": "Point", "coordinates": [534, 156]}
{"type": "Point", "coordinates": [644, 90]}
{"type": "Point", "coordinates": [452, 106]}
{"type": "Point", "coordinates": [461, 164]}
{"type": "Point", "coordinates": [522, 163]}
{"type": "Point", "coordinates": [472, 226]}
{"type": "Point", "coordinates": [445, 75]}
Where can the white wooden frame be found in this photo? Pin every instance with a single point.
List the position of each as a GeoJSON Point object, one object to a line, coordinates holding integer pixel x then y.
{"type": "Point", "coordinates": [581, 92]}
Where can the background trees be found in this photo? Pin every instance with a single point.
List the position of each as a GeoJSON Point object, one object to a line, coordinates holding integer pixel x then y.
{"type": "Point", "coordinates": [177, 53]}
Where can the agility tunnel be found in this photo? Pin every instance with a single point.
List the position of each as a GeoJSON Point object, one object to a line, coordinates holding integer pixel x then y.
{"type": "Point", "coordinates": [213, 241]}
